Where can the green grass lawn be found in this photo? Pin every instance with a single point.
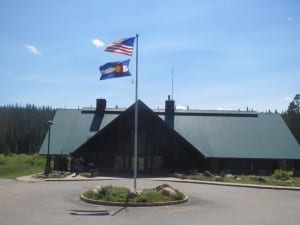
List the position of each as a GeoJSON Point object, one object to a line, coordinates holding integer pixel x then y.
{"type": "Point", "coordinates": [13, 165]}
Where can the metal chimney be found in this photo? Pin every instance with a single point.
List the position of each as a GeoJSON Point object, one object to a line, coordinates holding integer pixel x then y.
{"type": "Point", "coordinates": [169, 112]}
{"type": "Point", "coordinates": [100, 105]}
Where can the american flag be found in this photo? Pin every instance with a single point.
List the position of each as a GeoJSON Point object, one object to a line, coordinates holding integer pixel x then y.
{"type": "Point", "coordinates": [122, 46]}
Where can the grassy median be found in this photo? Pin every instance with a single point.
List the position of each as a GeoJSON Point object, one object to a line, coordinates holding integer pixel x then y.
{"type": "Point", "coordinates": [121, 194]}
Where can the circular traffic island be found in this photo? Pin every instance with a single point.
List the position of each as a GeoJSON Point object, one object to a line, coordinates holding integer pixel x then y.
{"type": "Point", "coordinates": [121, 196]}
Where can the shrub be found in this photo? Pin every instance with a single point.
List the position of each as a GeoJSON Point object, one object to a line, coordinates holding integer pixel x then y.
{"type": "Point", "coordinates": [281, 175]}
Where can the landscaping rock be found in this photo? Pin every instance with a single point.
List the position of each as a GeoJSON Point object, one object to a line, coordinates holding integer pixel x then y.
{"type": "Point", "coordinates": [179, 175]}
{"type": "Point", "coordinates": [168, 191]}
{"type": "Point", "coordinates": [96, 190]}
{"type": "Point", "coordinates": [229, 175]}
{"type": "Point", "coordinates": [238, 179]}
{"type": "Point", "coordinates": [134, 193]}
{"type": "Point", "coordinates": [161, 187]}
{"type": "Point", "coordinates": [207, 173]}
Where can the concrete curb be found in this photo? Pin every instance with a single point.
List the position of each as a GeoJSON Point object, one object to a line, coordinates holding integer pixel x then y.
{"type": "Point", "coordinates": [83, 179]}
{"type": "Point", "coordinates": [29, 179]}
{"type": "Point", "coordinates": [133, 204]}
{"type": "Point", "coordinates": [228, 184]}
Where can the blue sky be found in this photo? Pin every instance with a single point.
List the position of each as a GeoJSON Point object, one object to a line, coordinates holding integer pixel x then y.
{"type": "Point", "coordinates": [225, 54]}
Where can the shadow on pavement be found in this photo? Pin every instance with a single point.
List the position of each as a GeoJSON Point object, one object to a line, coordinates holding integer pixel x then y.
{"type": "Point", "coordinates": [119, 210]}
{"type": "Point", "coordinates": [89, 212]}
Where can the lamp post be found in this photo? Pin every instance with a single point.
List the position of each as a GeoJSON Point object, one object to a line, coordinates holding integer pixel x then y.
{"type": "Point", "coordinates": [47, 168]}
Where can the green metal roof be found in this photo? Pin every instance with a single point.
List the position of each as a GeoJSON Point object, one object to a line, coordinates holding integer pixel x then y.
{"type": "Point", "coordinates": [216, 134]}
{"type": "Point", "coordinates": [238, 135]}
{"type": "Point", "coordinates": [72, 127]}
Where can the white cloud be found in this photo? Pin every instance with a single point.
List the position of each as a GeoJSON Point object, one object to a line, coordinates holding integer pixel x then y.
{"type": "Point", "coordinates": [33, 49]}
{"type": "Point", "coordinates": [98, 43]}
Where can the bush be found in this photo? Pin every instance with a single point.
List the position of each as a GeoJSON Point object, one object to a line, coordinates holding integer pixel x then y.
{"type": "Point", "coordinates": [281, 175]}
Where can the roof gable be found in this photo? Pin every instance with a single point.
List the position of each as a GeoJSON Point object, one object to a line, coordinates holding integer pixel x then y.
{"type": "Point", "coordinates": [147, 118]}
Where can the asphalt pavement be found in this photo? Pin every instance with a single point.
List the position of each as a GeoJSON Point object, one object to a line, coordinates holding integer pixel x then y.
{"type": "Point", "coordinates": [59, 203]}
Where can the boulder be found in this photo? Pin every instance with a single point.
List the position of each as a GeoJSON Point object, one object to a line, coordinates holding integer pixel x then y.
{"type": "Point", "coordinates": [161, 187]}
{"type": "Point", "coordinates": [168, 191]}
{"type": "Point", "coordinates": [229, 175]}
{"type": "Point", "coordinates": [134, 193]}
{"type": "Point", "coordinates": [96, 190]}
{"type": "Point", "coordinates": [179, 175]}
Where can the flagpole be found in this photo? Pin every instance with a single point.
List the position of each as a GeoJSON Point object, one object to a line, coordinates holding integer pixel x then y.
{"type": "Point", "coordinates": [136, 113]}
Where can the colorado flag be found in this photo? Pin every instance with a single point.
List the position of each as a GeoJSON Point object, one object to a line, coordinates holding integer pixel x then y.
{"type": "Point", "coordinates": [114, 70]}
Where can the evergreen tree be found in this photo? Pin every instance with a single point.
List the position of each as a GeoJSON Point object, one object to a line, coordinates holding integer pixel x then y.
{"type": "Point", "coordinates": [23, 128]}
{"type": "Point", "coordinates": [292, 117]}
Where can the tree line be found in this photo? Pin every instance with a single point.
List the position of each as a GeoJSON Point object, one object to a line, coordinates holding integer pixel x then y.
{"type": "Point", "coordinates": [22, 129]}
{"type": "Point", "coordinates": [292, 117]}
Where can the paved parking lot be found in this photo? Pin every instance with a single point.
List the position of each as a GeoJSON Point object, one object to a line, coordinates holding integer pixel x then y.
{"type": "Point", "coordinates": [58, 203]}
